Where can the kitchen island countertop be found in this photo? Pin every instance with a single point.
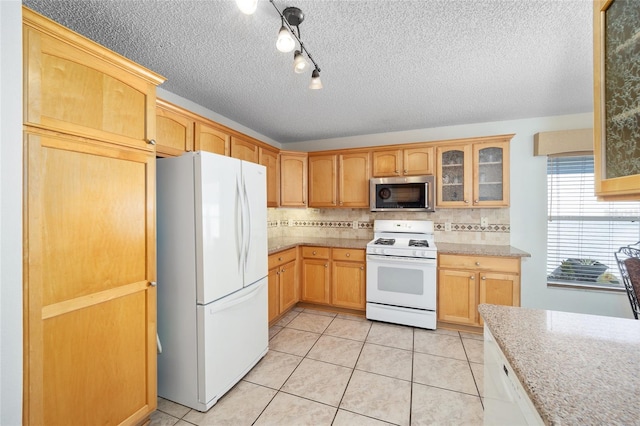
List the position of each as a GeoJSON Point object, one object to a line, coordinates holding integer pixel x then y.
{"type": "Point", "coordinates": [576, 368]}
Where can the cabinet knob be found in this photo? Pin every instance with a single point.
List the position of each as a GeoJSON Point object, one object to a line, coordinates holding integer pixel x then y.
{"type": "Point", "coordinates": [314, 252]}
{"type": "Point", "coordinates": [153, 283]}
{"type": "Point", "coordinates": [279, 259]}
{"type": "Point", "coordinates": [477, 263]}
{"type": "Point", "coordinates": [282, 270]}
{"type": "Point", "coordinates": [397, 172]}
{"type": "Point", "coordinates": [277, 272]}
{"type": "Point", "coordinates": [475, 201]}
{"type": "Point", "coordinates": [326, 265]}
{"type": "Point", "coordinates": [151, 141]}
{"type": "Point", "coordinates": [348, 254]}
{"type": "Point", "coordinates": [405, 171]}
{"type": "Point", "coordinates": [466, 201]}
{"type": "Point", "coordinates": [484, 278]}
{"type": "Point", "coordinates": [340, 202]}
{"type": "Point", "coordinates": [472, 277]}
{"type": "Point", "coordinates": [362, 268]}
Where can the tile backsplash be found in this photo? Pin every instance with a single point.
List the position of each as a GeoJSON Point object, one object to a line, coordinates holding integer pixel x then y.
{"type": "Point", "coordinates": [465, 224]}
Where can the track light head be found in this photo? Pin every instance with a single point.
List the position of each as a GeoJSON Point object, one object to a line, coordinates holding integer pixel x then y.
{"type": "Point", "coordinates": [285, 42]}
{"type": "Point", "coordinates": [300, 64]}
{"type": "Point", "coordinates": [315, 80]}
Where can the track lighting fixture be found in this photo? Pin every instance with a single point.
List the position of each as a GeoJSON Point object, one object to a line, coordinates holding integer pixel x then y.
{"type": "Point", "coordinates": [247, 6]}
{"type": "Point", "coordinates": [291, 18]}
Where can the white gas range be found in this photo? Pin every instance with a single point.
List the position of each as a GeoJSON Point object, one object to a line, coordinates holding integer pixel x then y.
{"type": "Point", "coordinates": [401, 273]}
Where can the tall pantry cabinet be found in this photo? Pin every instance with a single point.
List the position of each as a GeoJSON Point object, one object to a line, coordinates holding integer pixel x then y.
{"type": "Point", "coordinates": [89, 231]}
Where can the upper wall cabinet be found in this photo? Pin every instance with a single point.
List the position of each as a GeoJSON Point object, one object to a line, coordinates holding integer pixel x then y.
{"type": "Point", "coordinates": [174, 130]}
{"type": "Point", "coordinates": [269, 159]}
{"type": "Point", "coordinates": [243, 149]}
{"type": "Point", "coordinates": [403, 162]}
{"type": "Point", "coordinates": [69, 89]}
{"type": "Point", "coordinates": [293, 179]}
{"type": "Point", "coordinates": [616, 25]}
{"type": "Point", "coordinates": [473, 174]}
{"type": "Point", "coordinates": [210, 138]}
{"type": "Point", "coordinates": [339, 180]}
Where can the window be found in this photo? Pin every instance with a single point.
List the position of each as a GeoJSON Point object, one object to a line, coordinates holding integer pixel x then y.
{"type": "Point", "coordinates": [583, 234]}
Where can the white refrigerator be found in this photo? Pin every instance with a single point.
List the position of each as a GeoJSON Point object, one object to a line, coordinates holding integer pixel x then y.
{"type": "Point", "coordinates": [212, 275]}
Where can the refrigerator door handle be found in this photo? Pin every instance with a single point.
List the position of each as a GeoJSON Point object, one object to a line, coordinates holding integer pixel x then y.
{"type": "Point", "coordinates": [248, 228]}
{"type": "Point", "coordinates": [233, 302]}
{"type": "Point", "coordinates": [239, 234]}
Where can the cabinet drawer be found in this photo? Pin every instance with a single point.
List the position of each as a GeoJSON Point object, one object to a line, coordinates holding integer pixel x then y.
{"type": "Point", "coordinates": [348, 254]}
{"type": "Point", "coordinates": [315, 252]}
{"type": "Point", "coordinates": [282, 257]}
{"type": "Point", "coordinates": [482, 263]}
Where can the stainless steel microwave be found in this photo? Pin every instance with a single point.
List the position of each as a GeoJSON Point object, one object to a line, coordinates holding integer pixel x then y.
{"type": "Point", "coordinates": [410, 193]}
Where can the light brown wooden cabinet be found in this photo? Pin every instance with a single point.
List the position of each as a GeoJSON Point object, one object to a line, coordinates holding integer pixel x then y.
{"type": "Point", "coordinates": [348, 278]}
{"type": "Point", "coordinates": [282, 282]}
{"type": "Point", "coordinates": [293, 179]}
{"type": "Point", "coordinates": [466, 281]}
{"type": "Point", "coordinates": [269, 159]}
{"type": "Point", "coordinates": [474, 174]}
{"type": "Point", "coordinates": [174, 130]}
{"type": "Point", "coordinates": [211, 138]}
{"type": "Point", "coordinates": [403, 162]}
{"type": "Point", "coordinates": [339, 180]}
{"type": "Point", "coordinates": [90, 261]}
{"type": "Point", "coordinates": [315, 275]}
{"type": "Point", "coordinates": [243, 149]}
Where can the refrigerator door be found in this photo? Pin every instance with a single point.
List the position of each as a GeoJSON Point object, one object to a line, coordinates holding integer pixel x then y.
{"type": "Point", "coordinates": [232, 337]}
{"type": "Point", "coordinates": [219, 249]}
{"type": "Point", "coordinates": [254, 184]}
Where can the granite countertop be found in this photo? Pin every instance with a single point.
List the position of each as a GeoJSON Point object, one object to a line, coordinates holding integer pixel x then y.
{"type": "Point", "coordinates": [577, 369]}
{"type": "Point", "coordinates": [283, 243]}
{"type": "Point", "coordinates": [481, 249]}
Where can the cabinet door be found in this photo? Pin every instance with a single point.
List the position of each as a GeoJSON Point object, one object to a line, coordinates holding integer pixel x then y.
{"type": "Point", "coordinates": [499, 289]}
{"type": "Point", "coordinates": [387, 162]}
{"type": "Point", "coordinates": [288, 286]}
{"type": "Point", "coordinates": [74, 86]}
{"type": "Point", "coordinates": [457, 297]}
{"type": "Point", "coordinates": [293, 179]}
{"type": "Point", "coordinates": [174, 132]}
{"type": "Point", "coordinates": [244, 150]}
{"type": "Point", "coordinates": [417, 161]}
{"type": "Point", "coordinates": [353, 183]}
{"type": "Point", "coordinates": [454, 176]}
{"type": "Point", "coordinates": [90, 308]}
{"type": "Point", "coordinates": [491, 174]}
{"type": "Point", "coordinates": [274, 293]}
{"type": "Point", "coordinates": [322, 181]}
{"type": "Point", "coordinates": [348, 285]}
{"type": "Point", "coordinates": [269, 159]}
{"type": "Point", "coordinates": [211, 139]}
{"type": "Point", "coordinates": [315, 281]}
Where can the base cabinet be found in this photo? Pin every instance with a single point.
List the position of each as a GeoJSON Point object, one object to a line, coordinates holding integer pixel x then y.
{"type": "Point", "coordinates": [315, 275]}
{"type": "Point", "coordinates": [464, 282]}
{"type": "Point", "coordinates": [283, 283]}
{"type": "Point", "coordinates": [348, 285]}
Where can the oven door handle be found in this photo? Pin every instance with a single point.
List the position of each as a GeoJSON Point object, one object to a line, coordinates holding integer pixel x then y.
{"type": "Point", "coordinates": [399, 259]}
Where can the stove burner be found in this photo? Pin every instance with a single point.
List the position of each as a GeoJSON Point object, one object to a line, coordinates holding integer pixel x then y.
{"type": "Point", "coordinates": [385, 241]}
{"type": "Point", "coordinates": [418, 243]}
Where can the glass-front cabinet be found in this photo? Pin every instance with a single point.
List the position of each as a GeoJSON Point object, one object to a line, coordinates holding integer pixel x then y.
{"type": "Point", "coordinates": [473, 175]}
{"type": "Point", "coordinates": [454, 174]}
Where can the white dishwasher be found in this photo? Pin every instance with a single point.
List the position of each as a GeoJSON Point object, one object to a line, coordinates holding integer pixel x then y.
{"type": "Point", "coordinates": [505, 400]}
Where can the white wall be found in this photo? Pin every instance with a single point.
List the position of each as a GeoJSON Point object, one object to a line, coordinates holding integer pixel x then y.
{"type": "Point", "coordinates": [10, 212]}
{"type": "Point", "coordinates": [528, 203]}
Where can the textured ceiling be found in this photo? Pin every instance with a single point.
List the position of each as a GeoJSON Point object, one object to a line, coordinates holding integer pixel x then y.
{"type": "Point", "coordinates": [386, 65]}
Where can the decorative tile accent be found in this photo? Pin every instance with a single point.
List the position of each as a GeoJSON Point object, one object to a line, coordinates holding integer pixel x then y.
{"type": "Point", "coordinates": [474, 227]}
{"type": "Point", "coordinates": [323, 223]}
{"type": "Point", "coordinates": [272, 224]}
{"type": "Point", "coordinates": [365, 225]}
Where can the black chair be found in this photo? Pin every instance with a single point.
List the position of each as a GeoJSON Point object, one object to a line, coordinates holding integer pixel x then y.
{"type": "Point", "coordinates": [628, 259]}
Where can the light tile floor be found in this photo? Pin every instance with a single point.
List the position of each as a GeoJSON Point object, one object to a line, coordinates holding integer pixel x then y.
{"type": "Point", "coordinates": [324, 368]}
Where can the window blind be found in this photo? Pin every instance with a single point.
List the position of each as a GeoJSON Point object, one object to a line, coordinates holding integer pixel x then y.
{"type": "Point", "coordinates": [583, 233]}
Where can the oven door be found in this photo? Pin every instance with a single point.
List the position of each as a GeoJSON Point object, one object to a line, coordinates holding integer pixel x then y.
{"type": "Point", "coordinates": [401, 281]}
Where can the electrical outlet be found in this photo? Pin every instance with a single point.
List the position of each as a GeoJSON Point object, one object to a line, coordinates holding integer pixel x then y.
{"type": "Point", "coordinates": [484, 222]}
{"type": "Point", "coordinates": [355, 224]}
{"type": "Point", "coordinates": [447, 226]}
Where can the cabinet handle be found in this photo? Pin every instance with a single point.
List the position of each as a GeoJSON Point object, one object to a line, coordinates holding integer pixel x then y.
{"type": "Point", "coordinates": [348, 254]}
{"type": "Point", "coordinates": [477, 263]}
{"type": "Point", "coordinates": [314, 252]}
{"type": "Point", "coordinates": [472, 277]}
{"type": "Point", "coordinates": [153, 283]}
{"type": "Point", "coordinates": [151, 141]}
{"type": "Point", "coordinates": [484, 278]}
